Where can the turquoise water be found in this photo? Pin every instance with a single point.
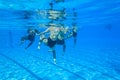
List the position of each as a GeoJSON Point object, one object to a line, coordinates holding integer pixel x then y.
{"type": "Point", "coordinates": [96, 55]}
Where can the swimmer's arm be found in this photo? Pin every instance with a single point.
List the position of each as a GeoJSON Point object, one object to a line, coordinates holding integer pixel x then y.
{"type": "Point", "coordinates": [47, 30]}
{"type": "Point", "coordinates": [37, 32]}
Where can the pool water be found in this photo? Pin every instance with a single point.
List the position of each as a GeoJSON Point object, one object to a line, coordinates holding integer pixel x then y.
{"type": "Point", "coordinates": [96, 55]}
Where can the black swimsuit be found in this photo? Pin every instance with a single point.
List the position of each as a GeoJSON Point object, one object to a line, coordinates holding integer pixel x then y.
{"type": "Point", "coordinates": [74, 34]}
{"type": "Point", "coordinates": [51, 43]}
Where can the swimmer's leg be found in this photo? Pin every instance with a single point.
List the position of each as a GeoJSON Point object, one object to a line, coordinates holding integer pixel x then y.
{"type": "Point", "coordinates": [54, 56]}
{"type": "Point", "coordinates": [23, 39]}
{"type": "Point", "coordinates": [64, 49]}
{"type": "Point", "coordinates": [42, 37]}
{"type": "Point", "coordinates": [75, 40]}
{"type": "Point", "coordinates": [29, 44]}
